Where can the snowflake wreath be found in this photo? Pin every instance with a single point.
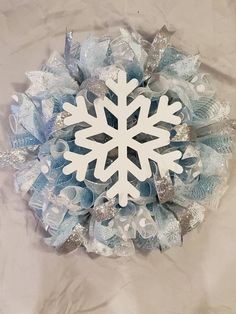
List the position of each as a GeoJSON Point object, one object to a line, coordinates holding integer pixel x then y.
{"type": "Point", "coordinates": [119, 143]}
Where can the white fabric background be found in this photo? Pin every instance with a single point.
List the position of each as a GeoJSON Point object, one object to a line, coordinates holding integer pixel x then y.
{"type": "Point", "coordinates": [199, 278]}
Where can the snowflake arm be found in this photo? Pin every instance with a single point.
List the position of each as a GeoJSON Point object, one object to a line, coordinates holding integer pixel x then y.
{"type": "Point", "coordinates": [122, 88]}
{"type": "Point", "coordinates": [100, 103]}
{"type": "Point", "coordinates": [80, 114]}
{"type": "Point", "coordinates": [135, 104]}
{"type": "Point", "coordinates": [164, 113]}
{"type": "Point", "coordinates": [167, 162]}
{"type": "Point", "coordinates": [76, 160]}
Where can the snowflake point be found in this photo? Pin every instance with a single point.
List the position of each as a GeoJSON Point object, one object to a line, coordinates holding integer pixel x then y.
{"type": "Point", "coordinates": [164, 99]}
{"type": "Point", "coordinates": [66, 106]}
{"type": "Point", "coordinates": [144, 99]}
{"type": "Point", "coordinates": [80, 176]}
{"type": "Point", "coordinates": [66, 171]}
{"type": "Point", "coordinates": [79, 99]}
{"type": "Point", "coordinates": [67, 155]}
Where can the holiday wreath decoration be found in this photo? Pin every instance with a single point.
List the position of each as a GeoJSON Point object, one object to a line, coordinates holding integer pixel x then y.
{"type": "Point", "coordinates": [119, 143]}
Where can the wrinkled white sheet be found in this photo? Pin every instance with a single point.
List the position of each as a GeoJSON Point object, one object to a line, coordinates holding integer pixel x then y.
{"type": "Point", "coordinates": [199, 278]}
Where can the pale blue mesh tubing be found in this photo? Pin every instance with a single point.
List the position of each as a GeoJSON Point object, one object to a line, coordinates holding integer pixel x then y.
{"type": "Point", "coordinates": [78, 214]}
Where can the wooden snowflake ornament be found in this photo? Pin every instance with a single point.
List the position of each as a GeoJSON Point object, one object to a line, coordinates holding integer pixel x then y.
{"type": "Point", "coordinates": [122, 138]}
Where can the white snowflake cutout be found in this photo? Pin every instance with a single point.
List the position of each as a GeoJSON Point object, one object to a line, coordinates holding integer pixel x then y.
{"type": "Point", "coordinates": [122, 138]}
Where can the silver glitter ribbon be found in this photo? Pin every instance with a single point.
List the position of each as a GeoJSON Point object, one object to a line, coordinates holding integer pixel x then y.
{"type": "Point", "coordinates": [184, 133]}
{"type": "Point", "coordinates": [77, 238]}
{"type": "Point", "coordinates": [71, 54]}
{"type": "Point", "coordinates": [105, 211]}
{"type": "Point", "coordinates": [164, 187]}
{"type": "Point", "coordinates": [59, 123]}
{"type": "Point", "coordinates": [97, 87]}
{"type": "Point", "coordinates": [183, 215]}
{"type": "Point", "coordinates": [189, 213]}
{"type": "Point", "coordinates": [158, 46]}
{"type": "Point", "coordinates": [13, 157]}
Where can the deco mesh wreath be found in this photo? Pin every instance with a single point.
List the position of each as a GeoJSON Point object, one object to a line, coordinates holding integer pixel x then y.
{"type": "Point", "coordinates": [119, 143]}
